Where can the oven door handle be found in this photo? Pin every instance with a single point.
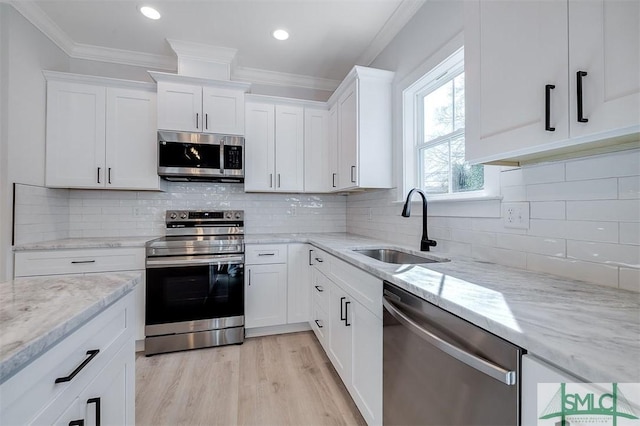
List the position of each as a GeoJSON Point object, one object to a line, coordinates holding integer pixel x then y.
{"type": "Point", "coordinates": [188, 261]}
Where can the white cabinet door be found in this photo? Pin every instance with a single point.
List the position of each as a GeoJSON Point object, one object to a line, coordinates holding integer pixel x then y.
{"type": "Point", "coordinates": [179, 107]}
{"type": "Point", "coordinates": [75, 135]}
{"type": "Point", "coordinates": [367, 363]}
{"type": "Point", "coordinates": [535, 371]}
{"type": "Point", "coordinates": [259, 144]}
{"type": "Point", "coordinates": [317, 174]}
{"type": "Point", "coordinates": [223, 110]}
{"type": "Point", "coordinates": [298, 283]}
{"type": "Point", "coordinates": [107, 400]}
{"type": "Point", "coordinates": [289, 148]}
{"type": "Point", "coordinates": [333, 147]}
{"type": "Point", "coordinates": [265, 295]}
{"type": "Point", "coordinates": [604, 42]}
{"type": "Point", "coordinates": [513, 49]}
{"type": "Point", "coordinates": [131, 141]}
{"type": "Point", "coordinates": [348, 138]}
{"type": "Point", "coordinates": [340, 326]}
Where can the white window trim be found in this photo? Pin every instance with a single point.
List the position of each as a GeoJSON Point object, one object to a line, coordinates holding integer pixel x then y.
{"type": "Point", "coordinates": [410, 87]}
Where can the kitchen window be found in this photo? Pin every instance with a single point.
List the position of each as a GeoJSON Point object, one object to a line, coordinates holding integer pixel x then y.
{"type": "Point", "coordinates": [434, 123]}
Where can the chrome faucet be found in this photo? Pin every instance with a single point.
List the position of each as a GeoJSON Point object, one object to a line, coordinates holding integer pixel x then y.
{"type": "Point", "coordinates": [425, 242]}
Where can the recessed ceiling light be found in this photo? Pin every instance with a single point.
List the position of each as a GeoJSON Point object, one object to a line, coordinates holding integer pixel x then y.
{"type": "Point", "coordinates": [280, 35]}
{"type": "Point", "coordinates": [150, 12]}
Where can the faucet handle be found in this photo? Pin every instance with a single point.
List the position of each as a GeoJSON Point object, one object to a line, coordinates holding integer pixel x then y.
{"type": "Point", "coordinates": [425, 244]}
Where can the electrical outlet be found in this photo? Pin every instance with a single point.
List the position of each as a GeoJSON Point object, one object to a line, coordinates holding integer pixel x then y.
{"type": "Point", "coordinates": [515, 215]}
{"type": "Point", "coordinates": [293, 211]}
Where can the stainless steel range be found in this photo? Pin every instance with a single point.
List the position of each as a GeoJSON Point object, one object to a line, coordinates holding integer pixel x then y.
{"type": "Point", "coordinates": [195, 282]}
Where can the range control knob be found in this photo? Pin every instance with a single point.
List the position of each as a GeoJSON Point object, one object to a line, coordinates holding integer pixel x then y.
{"type": "Point", "coordinates": [228, 215]}
{"type": "Point", "coordinates": [173, 215]}
{"type": "Point", "coordinates": [183, 215]}
{"type": "Point", "coordinates": [238, 215]}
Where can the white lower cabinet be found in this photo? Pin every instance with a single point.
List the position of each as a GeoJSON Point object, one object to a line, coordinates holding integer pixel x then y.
{"type": "Point", "coordinates": [298, 276]}
{"type": "Point", "coordinates": [348, 329]}
{"type": "Point", "coordinates": [101, 353]}
{"type": "Point", "coordinates": [265, 297]}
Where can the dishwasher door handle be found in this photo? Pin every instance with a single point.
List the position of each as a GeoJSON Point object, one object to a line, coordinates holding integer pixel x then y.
{"type": "Point", "coordinates": [495, 371]}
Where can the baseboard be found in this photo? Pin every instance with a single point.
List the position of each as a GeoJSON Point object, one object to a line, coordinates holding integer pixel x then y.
{"type": "Point", "coordinates": [276, 329]}
{"type": "Point", "coordinates": [139, 345]}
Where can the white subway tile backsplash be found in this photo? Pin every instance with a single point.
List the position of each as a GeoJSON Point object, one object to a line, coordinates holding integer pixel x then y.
{"type": "Point", "coordinates": [513, 193]}
{"type": "Point", "coordinates": [545, 173]}
{"type": "Point", "coordinates": [548, 210]}
{"type": "Point", "coordinates": [630, 233]}
{"type": "Point", "coordinates": [605, 210]}
{"type": "Point", "coordinates": [623, 163]}
{"type": "Point", "coordinates": [516, 259]}
{"type": "Point", "coordinates": [596, 273]}
{"type": "Point", "coordinates": [540, 245]}
{"type": "Point", "coordinates": [512, 177]}
{"type": "Point", "coordinates": [600, 189]}
{"type": "Point", "coordinates": [610, 254]}
{"type": "Point", "coordinates": [629, 187]}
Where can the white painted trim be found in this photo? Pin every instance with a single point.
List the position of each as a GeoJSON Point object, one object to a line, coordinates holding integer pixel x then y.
{"type": "Point", "coordinates": [276, 329]}
{"type": "Point", "coordinates": [489, 207]}
{"type": "Point", "coordinates": [289, 101]}
{"type": "Point", "coordinates": [185, 79]}
{"type": "Point", "coordinates": [124, 57]}
{"type": "Point", "coordinates": [34, 14]}
{"type": "Point", "coordinates": [403, 13]}
{"type": "Point", "coordinates": [201, 51]}
{"type": "Point", "coordinates": [275, 78]}
{"type": "Point", "coordinates": [102, 81]}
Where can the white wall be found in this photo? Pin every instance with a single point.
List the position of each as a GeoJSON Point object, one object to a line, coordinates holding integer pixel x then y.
{"type": "Point", "coordinates": [26, 52]}
{"type": "Point", "coordinates": [585, 213]}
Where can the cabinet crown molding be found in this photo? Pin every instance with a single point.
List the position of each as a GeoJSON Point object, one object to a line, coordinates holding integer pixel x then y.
{"type": "Point", "coordinates": [361, 73]}
{"type": "Point", "coordinates": [177, 78]}
{"type": "Point", "coordinates": [102, 81]}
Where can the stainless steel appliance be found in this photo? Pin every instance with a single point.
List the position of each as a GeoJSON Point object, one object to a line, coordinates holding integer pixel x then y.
{"type": "Point", "coordinates": [195, 282]}
{"type": "Point", "coordinates": [442, 370]}
{"type": "Point", "coordinates": [200, 157]}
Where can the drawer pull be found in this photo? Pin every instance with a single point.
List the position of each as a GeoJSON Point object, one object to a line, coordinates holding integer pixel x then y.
{"type": "Point", "coordinates": [97, 402]}
{"type": "Point", "coordinates": [266, 254]}
{"type": "Point", "coordinates": [92, 354]}
{"type": "Point", "coordinates": [319, 260]}
{"type": "Point", "coordinates": [320, 289]}
{"type": "Point", "coordinates": [76, 422]}
{"type": "Point", "coordinates": [579, 76]}
{"type": "Point", "coordinates": [318, 324]}
{"type": "Point", "coordinates": [547, 108]}
{"type": "Point", "coordinates": [83, 261]}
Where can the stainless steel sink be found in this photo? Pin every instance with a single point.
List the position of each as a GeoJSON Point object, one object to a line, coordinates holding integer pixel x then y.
{"type": "Point", "coordinates": [396, 256]}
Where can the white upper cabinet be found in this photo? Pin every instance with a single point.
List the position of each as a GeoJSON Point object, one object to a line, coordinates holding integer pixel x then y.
{"type": "Point", "coordinates": [333, 147]}
{"type": "Point", "coordinates": [317, 177]}
{"type": "Point", "coordinates": [521, 65]}
{"type": "Point", "coordinates": [101, 133]}
{"type": "Point", "coordinates": [363, 115]}
{"type": "Point", "coordinates": [274, 143]}
{"type": "Point", "coordinates": [190, 104]}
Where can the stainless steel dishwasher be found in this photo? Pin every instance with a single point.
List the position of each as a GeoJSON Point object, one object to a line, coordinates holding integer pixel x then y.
{"type": "Point", "coordinates": [442, 370]}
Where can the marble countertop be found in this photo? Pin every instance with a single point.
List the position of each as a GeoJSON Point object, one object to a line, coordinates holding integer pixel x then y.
{"type": "Point", "coordinates": [37, 312]}
{"type": "Point", "coordinates": [591, 331]}
{"type": "Point", "coordinates": [82, 243]}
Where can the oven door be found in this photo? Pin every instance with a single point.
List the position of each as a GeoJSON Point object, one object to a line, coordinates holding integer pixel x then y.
{"type": "Point", "coordinates": [194, 293]}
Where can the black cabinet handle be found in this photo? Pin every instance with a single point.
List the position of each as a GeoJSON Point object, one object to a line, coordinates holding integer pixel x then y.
{"type": "Point", "coordinates": [579, 76]}
{"type": "Point", "coordinates": [319, 260]}
{"type": "Point", "coordinates": [346, 314]}
{"type": "Point", "coordinates": [320, 289]}
{"type": "Point", "coordinates": [353, 169]}
{"type": "Point", "coordinates": [97, 402]}
{"type": "Point", "coordinates": [92, 354]}
{"type": "Point", "coordinates": [333, 180]}
{"type": "Point", "coordinates": [197, 120]}
{"type": "Point", "coordinates": [109, 175]}
{"type": "Point", "coordinates": [98, 174]}
{"type": "Point", "coordinates": [278, 180]}
{"type": "Point", "coordinates": [76, 422]}
{"type": "Point", "coordinates": [547, 108]}
{"type": "Point", "coordinates": [266, 254]}
{"type": "Point", "coordinates": [206, 121]}
{"type": "Point", "coordinates": [342, 309]}
{"type": "Point", "coordinates": [310, 254]}
{"type": "Point", "coordinates": [83, 261]}
{"type": "Point", "coordinates": [248, 276]}
{"type": "Point", "coordinates": [318, 324]}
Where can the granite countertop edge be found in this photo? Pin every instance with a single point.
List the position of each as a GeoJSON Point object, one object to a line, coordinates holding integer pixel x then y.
{"type": "Point", "coordinates": [32, 349]}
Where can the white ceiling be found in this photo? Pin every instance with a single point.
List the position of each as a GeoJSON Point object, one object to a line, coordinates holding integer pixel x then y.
{"type": "Point", "coordinates": [327, 38]}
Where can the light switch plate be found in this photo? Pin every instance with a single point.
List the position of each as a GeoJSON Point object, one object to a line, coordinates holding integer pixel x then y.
{"type": "Point", "coordinates": [515, 215]}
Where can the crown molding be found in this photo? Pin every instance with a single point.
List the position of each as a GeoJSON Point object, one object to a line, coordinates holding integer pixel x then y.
{"type": "Point", "coordinates": [192, 50]}
{"type": "Point", "coordinates": [403, 13]}
{"type": "Point", "coordinates": [124, 57]}
{"type": "Point", "coordinates": [275, 78]}
{"type": "Point", "coordinates": [41, 21]}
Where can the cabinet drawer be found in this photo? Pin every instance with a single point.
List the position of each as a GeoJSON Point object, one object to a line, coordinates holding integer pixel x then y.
{"type": "Point", "coordinates": [320, 289]}
{"type": "Point", "coordinates": [320, 324]}
{"type": "Point", "coordinates": [77, 261]}
{"type": "Point", "coordinates": [261, 254]}
{"type": "Point", "coordinates": [33, 389]}
{"type": "Point", "coordinates": [320, 260]}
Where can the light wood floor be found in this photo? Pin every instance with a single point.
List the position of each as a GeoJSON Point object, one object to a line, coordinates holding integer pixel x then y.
{"type": "Point", "coordinates": [274, 380]}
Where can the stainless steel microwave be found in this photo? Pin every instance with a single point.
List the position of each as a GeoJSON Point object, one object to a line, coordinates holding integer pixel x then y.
{"type": "Point", "coordinates": [200, 157]}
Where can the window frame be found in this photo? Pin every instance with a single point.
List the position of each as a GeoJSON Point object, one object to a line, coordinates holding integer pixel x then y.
{"type": "Point", "coordinates": [421, 84]}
